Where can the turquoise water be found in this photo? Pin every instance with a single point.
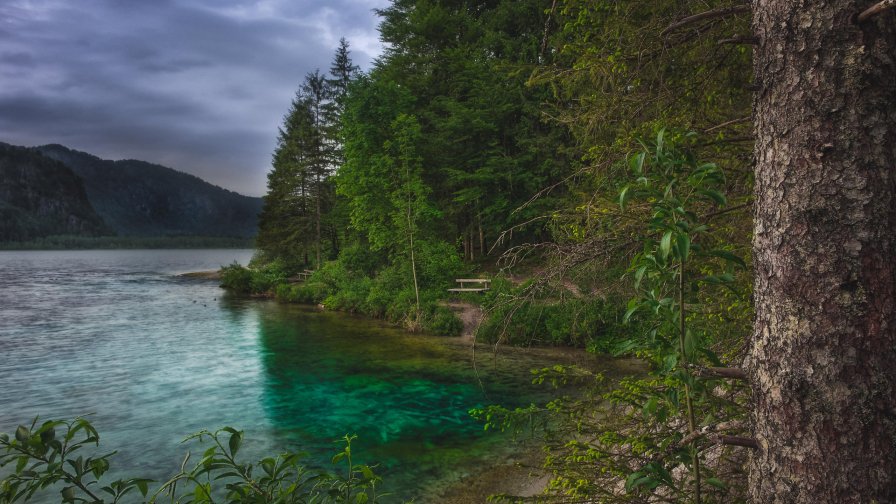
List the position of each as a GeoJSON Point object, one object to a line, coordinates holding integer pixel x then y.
{"type": "Point", "coordinates": [152, 357]}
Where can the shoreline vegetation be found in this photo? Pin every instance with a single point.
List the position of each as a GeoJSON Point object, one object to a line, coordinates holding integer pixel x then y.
{"type": "Point", "coordinates": [72, 242]}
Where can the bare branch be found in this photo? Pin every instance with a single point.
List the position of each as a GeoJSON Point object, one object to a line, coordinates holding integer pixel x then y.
{"type": "Point", "coordinates": [740, 39]}
{"type": "Point", "coordinates": [720, 372]}
{"type": "Point", "coordinates": [876, 9]}
{"type": "Point", "coordinates": [735, 441]}
{"type": "Point", "coordinates": [729, 123]}
{"type": "Point", "coordinates": [710, 14]}
{"type": "Point", "coordinates": [730, 209]}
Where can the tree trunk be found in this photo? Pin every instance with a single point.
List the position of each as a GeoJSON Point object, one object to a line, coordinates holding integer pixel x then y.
{"type": "Point", "coordinates": [481, 238]}
{"type": "Point", "coordinates": [472, 246]}
{"type": "Point", "coordinates": [822, 361]}
{"type": "Point", "coordinates": [317, 220]}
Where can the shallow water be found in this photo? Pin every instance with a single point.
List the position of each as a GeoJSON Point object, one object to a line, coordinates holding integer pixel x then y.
{"type": "Point", "coordinates": [152, 357]}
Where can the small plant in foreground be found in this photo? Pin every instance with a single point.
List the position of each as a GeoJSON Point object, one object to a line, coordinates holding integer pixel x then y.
{"type": "Point", "coordinates": [43, 458]}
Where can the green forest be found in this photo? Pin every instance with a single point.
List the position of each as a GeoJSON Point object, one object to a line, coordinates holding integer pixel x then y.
{"type": "Point", "coordinates": [705, 186]}
{"type": "Point", "coordinates": [590, 159]}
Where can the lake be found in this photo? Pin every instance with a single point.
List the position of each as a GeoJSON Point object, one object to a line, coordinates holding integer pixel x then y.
{"type": "Point", "coordinates": [150, 357]}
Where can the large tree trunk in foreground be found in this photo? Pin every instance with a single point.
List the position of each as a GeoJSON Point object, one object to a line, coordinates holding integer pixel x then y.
{"type": "Point", "coordinates": [823, 356]}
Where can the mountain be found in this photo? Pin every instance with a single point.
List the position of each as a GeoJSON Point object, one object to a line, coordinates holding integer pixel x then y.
{"type": "Point", "coordinates": [40, 197]}
{"type": "Point", "coordinates": [136, 198]}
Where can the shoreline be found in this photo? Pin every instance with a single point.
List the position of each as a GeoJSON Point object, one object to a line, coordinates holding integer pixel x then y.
{"type": "Point", "coordinates": [201, 275]}
{"type": "Point", "coordinates": [520, 474]}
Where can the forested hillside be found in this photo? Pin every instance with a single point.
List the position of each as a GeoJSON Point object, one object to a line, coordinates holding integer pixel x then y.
{"type": "Point", "coordinates": [598, 160]}
{"type": "Point", "coordinates": [136, 198]}
{"type": "Point", "coordinates": [41, 197]}
{"type": "Point", "coordinates": [594, 160]}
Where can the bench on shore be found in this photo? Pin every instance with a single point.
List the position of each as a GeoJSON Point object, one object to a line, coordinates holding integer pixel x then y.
{"type": "Point", "coordinates": [300, 276]}
{"type": "Point", "coordinates": [479, 285]}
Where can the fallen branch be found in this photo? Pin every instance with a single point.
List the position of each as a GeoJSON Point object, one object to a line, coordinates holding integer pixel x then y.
{"type": "Point", "coordinates": [876, 9]}
{"type": "Point", "coordinates": [711, 14]}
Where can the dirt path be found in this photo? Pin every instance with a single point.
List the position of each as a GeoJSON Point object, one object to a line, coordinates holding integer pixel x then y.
{"type": "Point", "coordinates": [470, 314]}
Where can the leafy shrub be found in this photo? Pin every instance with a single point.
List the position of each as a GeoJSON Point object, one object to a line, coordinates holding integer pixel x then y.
{"type": "Point", "coordinates": [252, 281]}
{"type": "Point", "coordinates": [236, 278]}
{"type": "Point", "coordinates": [442, 321]}
{"type": "Point", "coordinates": [44, 455]}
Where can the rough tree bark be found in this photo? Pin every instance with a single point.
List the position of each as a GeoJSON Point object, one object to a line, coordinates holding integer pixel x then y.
{"type": "Point", "coordinates": [823, 356]}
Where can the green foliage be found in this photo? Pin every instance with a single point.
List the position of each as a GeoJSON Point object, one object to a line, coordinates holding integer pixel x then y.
{"type": "Point", "coordinates": [362, 281]}
{"type": "Point", "coordinates": [622, 442]}
{"type": "Point", "coordinates": [238, 278]}
{"type": "Point", "coordinates": [44, 460]}
{"type": "Point", "coordinates": [591, 322]}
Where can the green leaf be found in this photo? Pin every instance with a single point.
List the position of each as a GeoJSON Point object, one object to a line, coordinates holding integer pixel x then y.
{"type": "Point", "coordinates": [690, 343]}
{"type": "Point", "coordinates": [729, 257]}
{"type": "Point", "coordinates": [633, 307]}
{"type": "Point", "coordinates": [142, 486]}
{"type": "Point", "coordinates": [714, 195]}
{"type": "Point", "coordinates": [22, 434]}
{"type": "Point", "coordinates": [723, 279]}
{"type": "Point", "coordinates": [68, 494]}
{"type": "Point", "coordinates": [639, 275]}
{"type": "Point", "coordinates": [666, 244]}
{"type": "Point", "coordinates": [684, 246]}
{"type": "Point", "coordinates": [649, 407]}
{"type": "Point", "coordinates": [234, 443]}
{"type": "Point", "coordinates": [21, 463]}
{"type": "Point", "coordinates": [623, 197]}
{"type": "Point", "coordinates": [711, 356]}
{"type": "Point", "coordinates": [636, 163]}
{"type": "Point", "coordinates": [716, 483]}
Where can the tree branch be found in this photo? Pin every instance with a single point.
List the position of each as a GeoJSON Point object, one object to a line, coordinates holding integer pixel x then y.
{"type": "Point", "coordinates": [876, 9]}
{"type": "Point", "coordinates": [710, 14]}
{"type": "Point", "coordinates": [735, 441]}
{"type": "Point", "coordinates": [740, 39]}
{"type": "Point", "coordinates": [729, 123]}
{"type": "Point", "coordinates": [720, 372]}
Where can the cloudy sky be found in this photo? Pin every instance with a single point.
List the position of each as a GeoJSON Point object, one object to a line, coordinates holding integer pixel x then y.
{"type": "Point", "coordinates": [197, 85]}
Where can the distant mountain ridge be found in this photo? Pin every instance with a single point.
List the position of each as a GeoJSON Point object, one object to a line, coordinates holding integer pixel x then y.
{"type": "Point", "coordinates": [137, 198]}
{"type": "Point", "coordinates": [140, 199]}
{"type": "Point", "coordinates": [41, 197]}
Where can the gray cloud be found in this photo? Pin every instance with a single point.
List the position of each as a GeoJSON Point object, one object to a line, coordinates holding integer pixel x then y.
{"type": "Point", "coordinates": [198, 85]}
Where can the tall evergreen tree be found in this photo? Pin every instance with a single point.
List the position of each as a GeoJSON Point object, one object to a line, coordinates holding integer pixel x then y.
{"type": "Point", "coordinates": [285, 223]}
{"type": "Point", "coordinates": [320, 158]}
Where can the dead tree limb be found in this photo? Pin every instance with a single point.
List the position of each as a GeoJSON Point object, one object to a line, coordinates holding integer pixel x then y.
{"type": "Point", "coordinates": [729, 123]}
{"type": "Point", "coordinates": [745, 442]}
{"type": "Point", "coordinates": [710, 14]}
{"type": "Point", "coordinates": [876, 9]}
{"type": "Point", "coordinates": [720, 372]}
{"type": "Point", "coordinates": [740, 39]}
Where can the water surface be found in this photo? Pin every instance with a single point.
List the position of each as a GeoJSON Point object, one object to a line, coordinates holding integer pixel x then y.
{"type": "Point", "coordinates": [152, 357]}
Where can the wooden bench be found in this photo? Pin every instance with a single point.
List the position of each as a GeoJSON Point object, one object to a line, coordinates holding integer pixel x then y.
{"type": "Point", "coordinates": [300, 276]}
{"type": "Point", "coordinates": [481, 284]}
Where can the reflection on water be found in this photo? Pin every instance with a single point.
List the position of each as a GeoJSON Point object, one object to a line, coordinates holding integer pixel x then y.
{"type": "Point", "coordinates": [153, 357]}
